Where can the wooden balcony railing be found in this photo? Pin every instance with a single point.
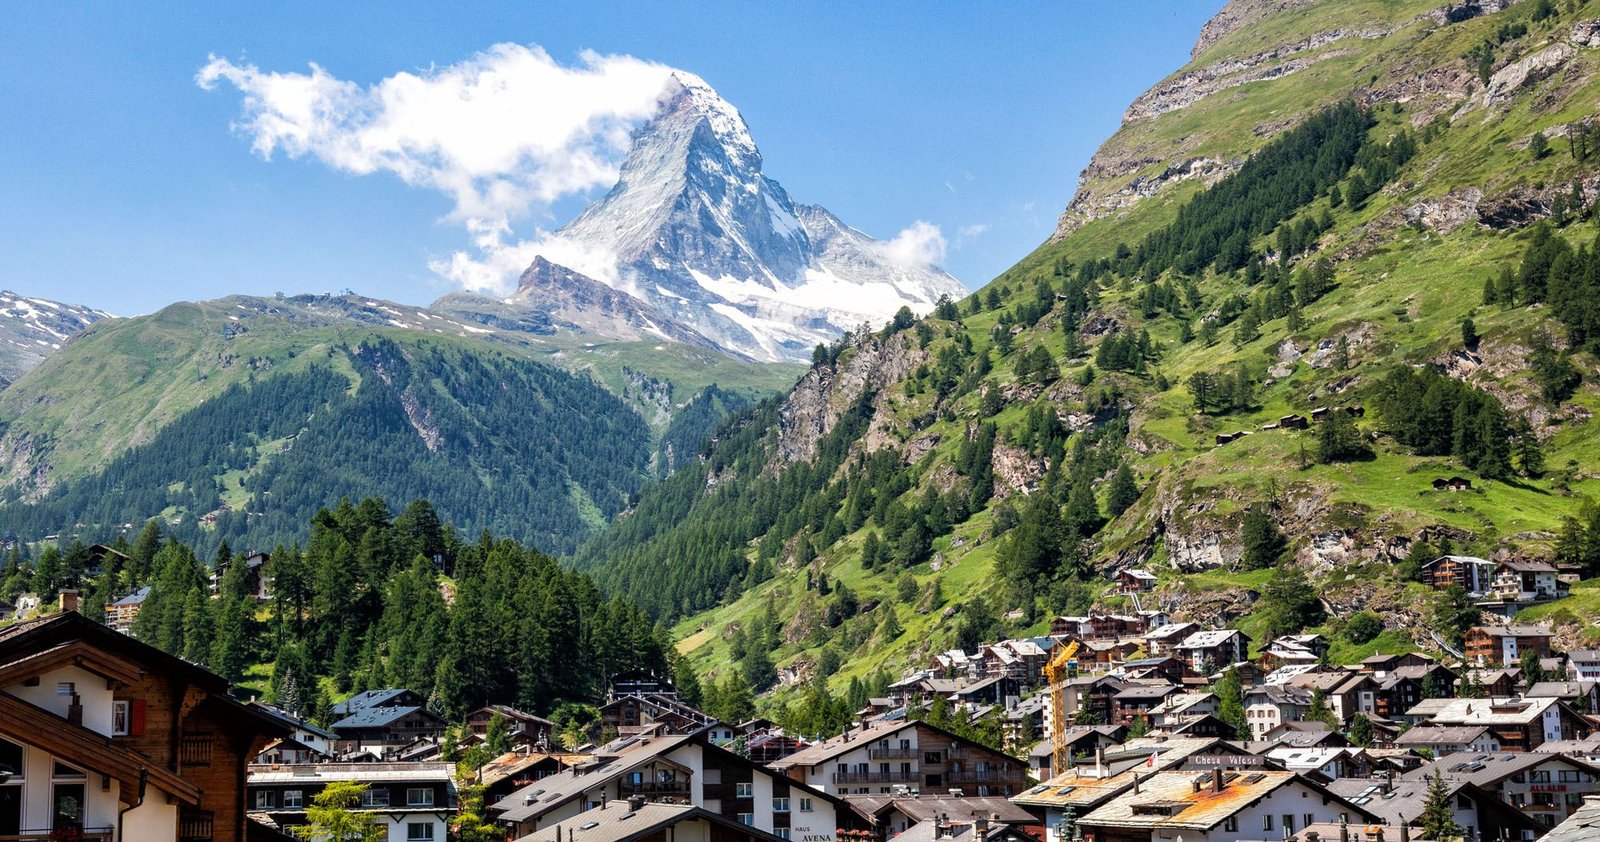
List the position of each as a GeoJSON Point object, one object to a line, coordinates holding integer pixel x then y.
{"type": "Point", "coordinates": [62, 834]}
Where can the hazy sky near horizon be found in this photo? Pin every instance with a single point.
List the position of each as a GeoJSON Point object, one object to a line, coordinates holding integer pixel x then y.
{"type": "Point", "coordinates": [129, 179]}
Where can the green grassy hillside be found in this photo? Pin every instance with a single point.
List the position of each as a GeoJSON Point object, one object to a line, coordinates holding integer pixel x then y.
{"type": "Point", "coordinates": [121, 382]}
{"type": "Point", "coordinates": [780, 517]}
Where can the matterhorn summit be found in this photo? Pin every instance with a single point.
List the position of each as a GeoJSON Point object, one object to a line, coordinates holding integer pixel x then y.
{"type": "Point", "coordinates": [705, 238]}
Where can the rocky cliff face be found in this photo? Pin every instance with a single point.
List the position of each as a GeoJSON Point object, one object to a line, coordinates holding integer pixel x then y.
{"type": "Point", "coordinates": [1129, 168]}
{"type": "Point", "coordinates": [551, 297]}
{"type": "Point", "coordinates": [702, 236]}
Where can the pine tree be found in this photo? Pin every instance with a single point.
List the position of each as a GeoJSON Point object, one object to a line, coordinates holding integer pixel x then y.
{"type": "Point", "coordinates": [1361, 731]}
{"type": "Point", "coordinates": [1320, 712]}
{"type": "Point", "coordinates": [497, 737]}
{"type": "Point", "coordinates": [1230, 702]}
{"type": "Point", "coordinates": [1438, 811]}
{"type": "Point", "coordinates": [1124, 491]}
{"type": "Point", "coordinates": [1337, 438]}
{"type": "Point", "coordinates": [1263, 542]}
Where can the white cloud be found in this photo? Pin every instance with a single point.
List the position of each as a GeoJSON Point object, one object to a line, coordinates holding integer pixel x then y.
{"type": "Point", "coordinates": [504, 134]}
{"type": "Point", "coordinates": [921, 244]}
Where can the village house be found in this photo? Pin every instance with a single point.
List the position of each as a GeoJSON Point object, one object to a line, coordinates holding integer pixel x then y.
{"type": "Point", "coordinates": [413, 802]}
{"type": "Point", "coordinates": [1164, 640]}
{"type": "Point", "coordinates": [1180, 708]}
{"type": "Point", "coordinates": [874, 759]}
{"type": "Point", "coordinates": [685, 770]}
{"type": "Point", "coordinates": [381, 722]}
{"type": "Point", "coordinates": [1113, 772]}
{"type": "Point", "coordinates": [1134, 703]}
{"type": "Point", "coordinates": [524, 729]}
{"type": "Point", "coordinates": [637, 820]}
{"type": "Point", "coordinates": [1504, 646]}
{"type": "Point", "coordinates": [258, 585]}
{"type": "Point", "coordinates": [1218, 806]}
{"type": "Point", "coordinates": [1162, 668]}
{"type": "Point", "coordinates": [1401, 688]}
{"type": "Point", "coordinates": [1270, 705]}
{"type": "Point", "coordinates": [1471, 573]}
{"type": "Point", "coordinates": [626, 714]}
{"type": "Point", "coordinates": [1522, 581]}
{"type": "Point", "coordinates": [1082, 742]}
{"type": "Point", "coordinates": [1548, 787]}
{"type": "Point", "coordinates": [1517, 724]}
{"type": "Point", "coordinates": [1347, 692]}
{"type": "Point", "coordinates": [1069, 626]}
{"type": "Point", "coordinates": [1583, 665]}
{"type": "Point", "coordinates": [1478, 812]}
{"type": "Point", "coordinates": [106, 738]}
{"type": "Point", "coordinates": [1133, 580]}
{"type": "Point", "coordinates": [942, 816]}
{"type": "Point", "coordinates": [121, 613]}
{"type": "Point", "coordinates": [1448, 739]}
{"type": "Point", "coordinates": [1208, 651]}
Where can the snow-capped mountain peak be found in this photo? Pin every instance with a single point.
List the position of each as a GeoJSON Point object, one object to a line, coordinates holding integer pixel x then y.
{"type": "Point", "coordinates": [705, 237]}
{"type": "Point", "coordinates": [34, 328]}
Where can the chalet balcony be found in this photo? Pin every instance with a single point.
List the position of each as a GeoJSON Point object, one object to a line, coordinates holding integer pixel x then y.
{"type": "Point", "coordinates": [894, 753]}
{"type": "Point", "coordinates": [998, 773]}
{"type": "Point", "coordinates": [655, 789]}
{"type": "Point", "coordinates": [65, 834]}
{"type": "Point", "coordinates": [875, 777]}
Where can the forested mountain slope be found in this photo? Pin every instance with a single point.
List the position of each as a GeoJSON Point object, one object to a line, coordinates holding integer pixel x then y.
{"type": "Point", "coordinates": [1380, 208]}
{"type": "Point", "coordinates": [202, 408]}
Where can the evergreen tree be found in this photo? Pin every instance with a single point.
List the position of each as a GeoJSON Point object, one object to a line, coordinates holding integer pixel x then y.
{"type": "Point", "coordinates": [1361, 731]}
{"type": "Point", "coordinates": [1229, 690]}
{"type": "Point", "coordinates": [1289, 603]}
{"type": "Point", "coordinates": [1263, 543]}
{"type": "Point", "coordinates": [335, 816]}
{"type": "Point", "coordinates": [1438, 811]}
{"type": "Point", "coordinates": [1320, 712]}
{"type": "Point", "coordinates": [497, 737]}
{"type": "Point", "coordinates": [1453, 613]}
{"type": "Point", "coordinates": [1124, 492]}
{"type": "Point", "coordinates": [1337, 438]}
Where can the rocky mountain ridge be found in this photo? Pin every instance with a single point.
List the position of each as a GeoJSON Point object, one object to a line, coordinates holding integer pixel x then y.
{"type": "Point", "coordinates": [34, 328]}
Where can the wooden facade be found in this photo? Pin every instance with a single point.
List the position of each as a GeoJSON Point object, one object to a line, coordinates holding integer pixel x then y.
{"type": "Point", "coordinates": [162, 746]}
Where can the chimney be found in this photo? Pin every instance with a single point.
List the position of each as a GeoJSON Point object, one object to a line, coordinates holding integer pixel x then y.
{"type": "Point", "coordinates": [1405, 830]}
{"type": "Point", "coordinates": [1388, 781]}
{"type": "Point", "coordinates": [1135, 783]}
{"type": "Point", "coordinates": [1374, 833]}
{"type": "Point", "coordinates": [980, 827]}
{"type": "Point", "coordinates": [635, 803]}
{"type": "Point", "coordinates": [1313, 836]}
{"type": "Point", "coordinates": [68, 601]}
{"type": "Point", "coordinates": [1216, 780]}
{"type": "Point", "coordinates": [1344, 831]}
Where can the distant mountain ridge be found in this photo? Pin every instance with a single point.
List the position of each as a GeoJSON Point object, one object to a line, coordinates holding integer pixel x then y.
{"type": "Point", "coordinates": [34, 328]}
{"type": "Point", "coordinates": [703, 236]}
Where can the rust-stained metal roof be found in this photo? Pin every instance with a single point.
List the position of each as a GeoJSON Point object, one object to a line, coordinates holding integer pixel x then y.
{"type": "Point", "coordinates": [1086, 786]}
{"type": "Point", "coordinates": [1170, 800]}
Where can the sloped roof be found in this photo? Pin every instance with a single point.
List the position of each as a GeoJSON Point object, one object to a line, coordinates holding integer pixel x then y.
{"type": "Point", "coordinates": [1489, 768]}
{"type": "Point", "coordinates": [1581, 826]}
{"type": "Point", "coordinates": [1424, 735]}
{"type": "Point", "coordinates": [616, 823]}
{"type": "Point", "coordinates": [1202, 810]}
{"type": "Point", "coordinates": [377, 717]}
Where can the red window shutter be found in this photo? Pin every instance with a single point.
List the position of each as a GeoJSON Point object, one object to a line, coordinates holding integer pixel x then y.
{"type": "Point", "coordinates": [136, 718]}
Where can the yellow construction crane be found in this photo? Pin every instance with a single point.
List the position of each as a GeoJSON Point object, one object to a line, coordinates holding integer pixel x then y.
{"type": "Point", "coordinates": [1061, 666]}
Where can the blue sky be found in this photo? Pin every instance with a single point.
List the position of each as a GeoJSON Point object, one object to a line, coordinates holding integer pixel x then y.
{"type": "Point", "coordinates": [122, 185]}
